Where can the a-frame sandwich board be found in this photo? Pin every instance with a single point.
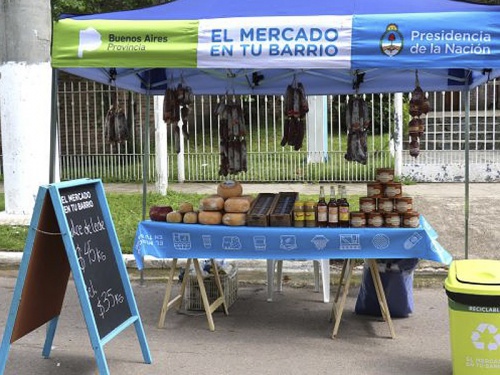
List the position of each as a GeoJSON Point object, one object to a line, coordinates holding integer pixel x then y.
{"type": "Point", "coordinates": [71, 230]}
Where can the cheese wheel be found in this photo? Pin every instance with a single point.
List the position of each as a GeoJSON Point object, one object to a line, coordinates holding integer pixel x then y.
{"type": "Point", "coordinates": [212, 203]}
{"type": "Point", "coordinates": [210, 217]}
{"type": "Point", "coordinates": [174, 217]}
{"type": "Point", "coordinates": [185, 207]}
{"type": "Point", "coordinates": [234, 219]}
{"type": "Point", "coordinates": [229, 188]}
{"type": "Point", "coordinates": [190, 217]}
{"type": "Point", "coordinates": [238, 204]}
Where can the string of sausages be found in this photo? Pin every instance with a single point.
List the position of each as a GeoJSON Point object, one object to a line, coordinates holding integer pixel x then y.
{"type": "Point", "coordinates": [358, 122]}
{"type": "Point", "coordinates": [176, 102]}
{"type": "Point", "coordinates": [296, 108]}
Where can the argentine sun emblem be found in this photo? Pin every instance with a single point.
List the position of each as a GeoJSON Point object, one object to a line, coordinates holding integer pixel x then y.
{"type": "Point", "coordinates": [391, 42]}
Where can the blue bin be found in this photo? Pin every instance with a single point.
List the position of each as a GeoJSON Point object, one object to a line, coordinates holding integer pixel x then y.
{"type": "Point", "coordinates": [397, 279]}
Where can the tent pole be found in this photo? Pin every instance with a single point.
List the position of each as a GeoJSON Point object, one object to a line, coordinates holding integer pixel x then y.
{"type": "Point", "coordinates": [466, 98]}
{"type": "Point", "coordinates": [145, 168]}
{"type": "Point", "coordinates": [53, 129]}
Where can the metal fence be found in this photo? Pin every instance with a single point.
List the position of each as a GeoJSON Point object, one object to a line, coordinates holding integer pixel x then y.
{"type": "Point", "coordinates": [85, 152]}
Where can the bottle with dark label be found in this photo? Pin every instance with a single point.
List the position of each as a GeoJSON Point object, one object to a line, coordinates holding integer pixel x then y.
{"type": "Point", "coordinates": [343, 209]}
{"type": "Point", "coordinates": [322, 209]}
{"type": "Point", "coordinates": [333, 209]}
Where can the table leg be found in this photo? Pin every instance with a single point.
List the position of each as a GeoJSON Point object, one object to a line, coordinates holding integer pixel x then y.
{"type": "Point", "coordinates": [379, 289]}
{"type": "Point", "coordinates": [176, 301]}
{"type": "Point", "coordinates": [341, 281]}
{"type": "Point", "coordinates": [337, 312]}
{"type": "Point", "coordinates": [219, 286]}
{"type": "Point", "coordinates": [270, 279]}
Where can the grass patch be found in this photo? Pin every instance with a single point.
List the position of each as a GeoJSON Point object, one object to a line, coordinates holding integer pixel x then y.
{"type": "Point", "coordinates": [126, 212]}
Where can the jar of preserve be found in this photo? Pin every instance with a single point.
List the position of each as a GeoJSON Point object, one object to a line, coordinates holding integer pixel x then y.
{"type": "Point", "coordinates": [404, 204]}
{"type": "Point", "coordinates": [298, 214]}
{"type": "Point", "coordinates": [385, 205]}
{"type": "Point", "coordinates": [384, 175]}
{"type": "Point", "coordinates": [393, 190]}
{"type": "Point", "coordinates": [411, 219]}
{"type": "Point", "coordinates": [310, 214]}
{"type": "Point", "coordinates": [375, 219]}
{"type": "Point", "coordinates": [374, 190]}
{"type": "Point", "coordinates": [357, 220]}
{"type": "Point", "coordinates": [367, 204]}
{"type": "Point", "coordinates": [392, 220]}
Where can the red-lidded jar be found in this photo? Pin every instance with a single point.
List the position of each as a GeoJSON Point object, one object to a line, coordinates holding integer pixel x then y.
{"type": "Point", "coordinates": [385, 205]}
{"type": "Point", "coordinates": [392, 220]}
{"type": "Point", "coordinates": [357, 220]}
{"type": "Point", "coordinates": [393, 190]}
{"type": "Point", "coordinates": [411, 220]}
{"type": "Point", "coordinates": [384, 175]}
{"type": "Point", "coordinates": [374, 190]}
{"type": "Point", "coordinates": [367, 204]}
{"type": "Point", "coordinates": [375, 220]}
{"type": "Point", "coordinates": [403, 204]}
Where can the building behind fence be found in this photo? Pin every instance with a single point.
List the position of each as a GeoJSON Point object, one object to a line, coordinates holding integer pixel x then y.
{"type": "Point", "coordinates": [85, 152]}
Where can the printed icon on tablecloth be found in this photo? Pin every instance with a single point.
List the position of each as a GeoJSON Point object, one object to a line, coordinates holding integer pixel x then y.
{"type": "Point", "coordinates": [207, 241]}
{"type": "Point", "coordinates": [288, 242]}
{"type": "Point", "coordinates": [259, 243]}
{"type": "Point", "coordinates": [412, 241]}
{"type": "Point", "coordinates": [182, 241]}
{"type": "Point", "coordinates": [381, 241]}
{"type": "Point", "coordinates": [320, 241]}
{"type": "Point", "coordinates": [231, 243]}
{"type": "Point", "coordinates": [350, 242]}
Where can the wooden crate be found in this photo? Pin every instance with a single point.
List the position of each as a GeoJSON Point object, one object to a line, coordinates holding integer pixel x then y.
{"type": "Point", "coordinates": [282, 211]}
{"type": "Point", "coordinates": [258, 215]}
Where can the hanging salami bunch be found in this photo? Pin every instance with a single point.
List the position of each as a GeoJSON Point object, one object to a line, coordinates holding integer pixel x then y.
{"type": "Point", "coordinates": [176, 102]}
{"type": "Point", "coordinates": [296, 108]}
{"type": "Point", "coordinates": [419, 105]}
{"type": "Point", "coordinates": [232, 133]}
{"type": "Point", "coordinates": [358, 122]}
{"type": "Point", "coordinates": [116, 126]}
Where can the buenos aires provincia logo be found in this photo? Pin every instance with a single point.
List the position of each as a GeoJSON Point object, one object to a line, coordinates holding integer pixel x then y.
{"type": "Point", "coordinates": [391, 41]}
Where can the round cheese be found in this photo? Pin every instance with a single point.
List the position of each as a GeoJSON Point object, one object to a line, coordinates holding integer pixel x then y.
{"type": "Point", "coordinates": [212, 203]}
{"type": "Point", "coordinates": [190, 217]}
{"type": "Point", "coordinates": [174, 217]}
{"type": "Point", "coordinates": [229, 188]}
{"type": "Point", "coordinates": [210, 217]}
{"type": "Point", "coordinates": [185, 207]}
{"type": "Point", "coordinates": [238, 204]}
{"type": "Point", "coordinates": [234, 219]}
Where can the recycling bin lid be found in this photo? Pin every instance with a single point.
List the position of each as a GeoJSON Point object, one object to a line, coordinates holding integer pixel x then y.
{"type": "Point", "coordinates": [474, 276]}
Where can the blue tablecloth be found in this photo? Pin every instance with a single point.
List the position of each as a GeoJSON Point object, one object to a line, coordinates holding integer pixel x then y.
{"type": "Point", "coordinates": [167, 240]}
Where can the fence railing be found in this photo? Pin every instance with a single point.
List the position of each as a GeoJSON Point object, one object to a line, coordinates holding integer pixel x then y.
{"type": "Point", "coordinates": [84, 151]}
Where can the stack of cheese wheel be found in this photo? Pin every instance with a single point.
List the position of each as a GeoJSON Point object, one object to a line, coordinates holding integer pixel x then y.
{"type": "Point", "coordinates": [229, 206]}
{"type": "Point", "coordinates": [184, 214]}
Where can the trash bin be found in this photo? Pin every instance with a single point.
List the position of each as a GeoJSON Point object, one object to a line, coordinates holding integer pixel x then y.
{"type": "Point", "coordinates": [397, 279]}
{"type": "Point", "coordinates": [473, 290]}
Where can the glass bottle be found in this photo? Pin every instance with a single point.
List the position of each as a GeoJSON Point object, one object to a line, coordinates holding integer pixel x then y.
{"type": "Point", "coordinates": [343, 209]}
{"type": "Point", "coordinates": [322, 209]}
{"type": "Point", "coordinates": [333, 209]}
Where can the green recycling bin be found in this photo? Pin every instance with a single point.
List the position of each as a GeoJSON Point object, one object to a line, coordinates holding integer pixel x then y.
{"type": "Point", "coordinates": [473, 290]}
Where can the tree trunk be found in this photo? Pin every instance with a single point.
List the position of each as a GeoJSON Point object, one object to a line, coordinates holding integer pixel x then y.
{"type": "Point", "coordinates": [25, 103]}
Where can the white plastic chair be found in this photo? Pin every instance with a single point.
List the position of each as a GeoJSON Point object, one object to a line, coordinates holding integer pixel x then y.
{"type": "Point", "coordinates": [277, 266]}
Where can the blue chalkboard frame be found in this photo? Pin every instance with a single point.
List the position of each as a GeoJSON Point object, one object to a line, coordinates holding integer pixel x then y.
{"type": "Point", "coordinates": [97, 338]}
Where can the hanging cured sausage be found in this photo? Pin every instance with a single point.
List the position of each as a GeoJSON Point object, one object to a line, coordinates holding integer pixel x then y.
{"type": "Point", "coordinates": [296, 108]}
{"type": "Point", "coordinates": [232, 133]}
{"type": "Point", "coordinates": [115, 126]}
{"type": "Point", "coordinates": [419, 105]}
{"type": "Point", "coordinates": [358, 121]}
{"type": "Point", "coordinates": [176, 102]}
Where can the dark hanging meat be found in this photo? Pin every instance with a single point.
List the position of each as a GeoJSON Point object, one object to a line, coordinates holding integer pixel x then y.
{"type": "Point", "coordinates": [419, 105]}
{"type": "Point", "coordinates": [176, 103]}
{"type": "Point", "coordinates": [296, 108]}
{"type": "Point", "coordinates": [358, 122]}
{"type": "Point", "coordinates": [116, 126]}
{"type": "Point", "coordinates": [232, 132]}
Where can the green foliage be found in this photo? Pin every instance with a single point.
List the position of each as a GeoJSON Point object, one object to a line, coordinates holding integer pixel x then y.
{"type": "Point", "coordinates": [126, 212]}
{"type": "Point", "coordinates": [98, 6]}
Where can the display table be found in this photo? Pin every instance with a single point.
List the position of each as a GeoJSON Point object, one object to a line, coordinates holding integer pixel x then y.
{"type": "Point", "coordinates": [195, 241]}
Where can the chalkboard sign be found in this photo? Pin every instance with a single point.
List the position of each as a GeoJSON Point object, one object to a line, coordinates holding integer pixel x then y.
{"type": "Point", "coordinates": [95, 256]}
{"type": "Point", "coordinates": [71, 230]}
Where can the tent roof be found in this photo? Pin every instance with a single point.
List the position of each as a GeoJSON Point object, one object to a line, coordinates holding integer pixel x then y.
{"type": "Point", "coordinates": [259, 47]}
